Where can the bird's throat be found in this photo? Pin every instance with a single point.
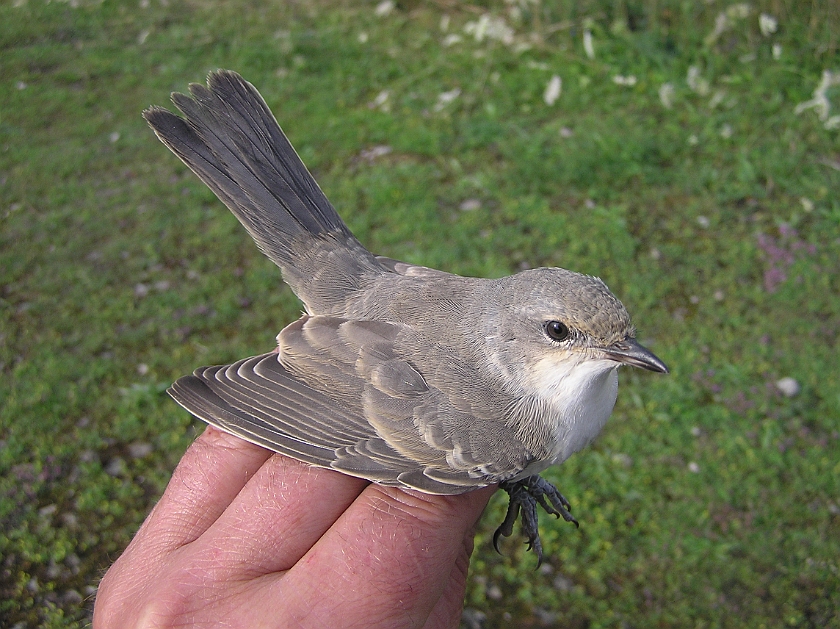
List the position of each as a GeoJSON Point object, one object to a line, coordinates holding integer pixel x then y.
{"type": "Point", "coordinates": [578, 397]}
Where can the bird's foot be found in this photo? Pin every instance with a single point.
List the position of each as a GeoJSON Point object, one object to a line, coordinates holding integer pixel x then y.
{"type": "Point", "coordinates": [525, 495]}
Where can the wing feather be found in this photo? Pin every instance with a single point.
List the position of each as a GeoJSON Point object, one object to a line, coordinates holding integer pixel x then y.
{"type": "Point", "coordinates": [339, 395]}
{"type": "Point", "coordinates": [193, 394]}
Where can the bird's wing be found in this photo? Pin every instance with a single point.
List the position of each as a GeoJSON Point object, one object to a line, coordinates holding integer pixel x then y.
{"type": "Point", "coordinates": [255, 399]}
{"type": "Point", "coordinates": [258, 400]}
{"type": "Point", "coordinates": [420, 410]}
{"type": "Point", "coordinates": [340, 396]}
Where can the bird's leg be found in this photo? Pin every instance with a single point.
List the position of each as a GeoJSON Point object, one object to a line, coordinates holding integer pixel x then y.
{"type": "Point", "coordinates": [525, 495]}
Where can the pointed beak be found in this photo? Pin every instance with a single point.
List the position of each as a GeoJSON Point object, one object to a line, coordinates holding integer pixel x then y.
{"type": "Point", "coordinates": [629, 352]}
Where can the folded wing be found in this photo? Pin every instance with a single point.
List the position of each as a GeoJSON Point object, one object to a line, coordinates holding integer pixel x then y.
{"type": "Point", "coordinates": [338, 395]}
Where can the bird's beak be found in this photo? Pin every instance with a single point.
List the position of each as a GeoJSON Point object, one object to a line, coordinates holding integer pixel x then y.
{"type": "Point", "coordinates": [629, 352]}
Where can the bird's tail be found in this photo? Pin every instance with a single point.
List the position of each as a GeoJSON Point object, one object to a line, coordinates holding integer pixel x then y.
{"type": "Point", "coordinates": [230, 139]}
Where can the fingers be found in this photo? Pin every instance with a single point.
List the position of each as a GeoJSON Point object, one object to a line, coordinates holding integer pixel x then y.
{"type": "Point", "coordinates": [447, 611]}
{"type": "Point", "coordinates": [210, 475]}
{"type": "Point", "coordinates": [387, 561]}
{"type": "Point", "coordinates": [276, 518]}
{"type": "Point", "coordinates": [241, 530]}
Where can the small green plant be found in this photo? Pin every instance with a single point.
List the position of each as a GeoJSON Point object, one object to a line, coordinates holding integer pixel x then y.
{"type": "Point", "coordinates": [684, 152]}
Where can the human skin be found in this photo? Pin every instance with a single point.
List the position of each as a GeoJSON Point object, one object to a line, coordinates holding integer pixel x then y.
{"type": "Point", "coordinates": [243, 537]}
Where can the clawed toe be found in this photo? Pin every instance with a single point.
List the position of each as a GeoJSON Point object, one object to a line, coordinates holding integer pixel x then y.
{"type": "Point", "coordinates": [525, 495]}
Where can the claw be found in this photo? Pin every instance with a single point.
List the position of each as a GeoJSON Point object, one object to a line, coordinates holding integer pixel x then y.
{"type": "Point", "coordinates": [525, 495]}
{"type": "Point", "coordinates": [506, 527]}
{"type": "Point", "coordinates": [559, 505]}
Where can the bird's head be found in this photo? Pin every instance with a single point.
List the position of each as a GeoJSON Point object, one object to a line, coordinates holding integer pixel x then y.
{"type": "Point", "coordinates": [553, 316]}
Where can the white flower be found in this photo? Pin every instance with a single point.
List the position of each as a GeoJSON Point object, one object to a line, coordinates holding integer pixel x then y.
{"type": "Point", "coordinates": [738, 11]}
{"type": "Point", "coordinates": [381, 101]}
{"type": "Point", "coordinates": [490, 27]}
{"type": "Point", "coordinates": [552, 90]}
{"type": "Point", "coordinates": [777, 51]}
{"type": "Point", "coordinates": [788, 386]}
{"type": "Point", "coordinates": [588, 47]}
{"type": "Point", "coordinates": [726, 131]}
{"type": "Point", "coordinates": [819, 102]}
{"type": "Point", "coordinates": [767, 24]}
{"type": "Point", "coordinates": [726, 20]}
{"type": "Point", "coordinates": [721, 24]}
{"type": "Point", "coordinates": [666, 95]}
{"type": "Point", "coordinates": [451, 40]}
{"type": "Point", "coordinates": [444, 98]}
{"type": "Point", "coordinates": [696, 83]}
{"type": "Point", "coordinates": [629, 81]}
{"type": "Point", "coordinates": [375, 152]}
{"type": "Point", "coordinates": [384, 8]}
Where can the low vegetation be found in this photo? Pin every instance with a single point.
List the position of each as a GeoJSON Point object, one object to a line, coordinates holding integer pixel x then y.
{"type": "Point", "coordinates": [685, 152]}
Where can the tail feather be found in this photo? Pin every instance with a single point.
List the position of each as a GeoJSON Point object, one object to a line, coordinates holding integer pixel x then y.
{"type": "Point", "coordinates": [276, 159]}
{"type": "Point", "coordinates": [180, 138]}
{"type": "Point", "coordinates": [230, 139]}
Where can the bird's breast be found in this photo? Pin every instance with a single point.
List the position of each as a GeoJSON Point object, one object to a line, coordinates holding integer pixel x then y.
{"type": "Point", "coordinates": [578, 398]}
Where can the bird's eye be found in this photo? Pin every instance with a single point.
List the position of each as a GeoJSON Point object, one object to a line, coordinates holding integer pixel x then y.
{"type": "Point", "coordinates": [557, 330]}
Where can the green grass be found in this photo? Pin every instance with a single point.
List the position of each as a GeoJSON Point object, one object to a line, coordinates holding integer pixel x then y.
{"type": "Point", "coordinates": [710, 500]}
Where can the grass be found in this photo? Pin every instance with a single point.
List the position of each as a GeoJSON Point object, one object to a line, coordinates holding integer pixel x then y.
{"type": "Point", "coordinates": [712, 499]}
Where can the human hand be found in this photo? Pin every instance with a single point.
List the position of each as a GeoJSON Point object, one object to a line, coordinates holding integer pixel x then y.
{"type": "Point", "coordinates": [246, 538]}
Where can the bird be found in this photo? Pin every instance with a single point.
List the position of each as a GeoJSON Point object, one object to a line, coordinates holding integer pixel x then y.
{"type": "Point", "coordinates": [396, 373]}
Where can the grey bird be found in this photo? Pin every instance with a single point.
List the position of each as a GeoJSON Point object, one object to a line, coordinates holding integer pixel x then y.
{"type": "Point", "coordinates": [399, 374]}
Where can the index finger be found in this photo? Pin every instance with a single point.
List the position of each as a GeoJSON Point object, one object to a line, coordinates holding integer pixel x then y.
{"type": "Point", "coordinates": [388, 557]}
{"type": "Point", "coordinates": [212, 472]}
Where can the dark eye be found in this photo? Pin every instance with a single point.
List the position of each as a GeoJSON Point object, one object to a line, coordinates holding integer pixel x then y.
{"type": "Point", "coordinates": [557, 330]}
